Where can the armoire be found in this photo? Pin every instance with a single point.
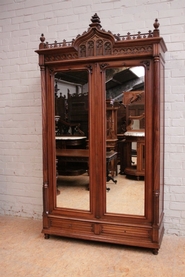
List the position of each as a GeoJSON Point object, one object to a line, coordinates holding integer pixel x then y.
{"type": "Point", "coordinates": [90, 205]}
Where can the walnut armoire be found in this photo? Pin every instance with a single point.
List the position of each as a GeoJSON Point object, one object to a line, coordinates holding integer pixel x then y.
{"type": "Point", "coordinates": [85, 65]}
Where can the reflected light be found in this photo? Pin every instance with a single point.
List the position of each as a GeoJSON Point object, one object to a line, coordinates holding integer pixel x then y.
{"type": "Point", "coordinates": [138, 70]}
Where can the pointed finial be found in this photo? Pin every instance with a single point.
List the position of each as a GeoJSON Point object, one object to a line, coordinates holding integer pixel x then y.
{"type": "Point", "coordinates": [95, 18]}
{"type": "Point", "coordinates": [42, 44]}
{"type": "Point", "coordinates": [156, 24]}
{"type": "Point", "coordinates": [95, 21]}
{"type": "Point", "coordinates": [42, 38]}
{"type": "Point", "coordinates": [156, 30]}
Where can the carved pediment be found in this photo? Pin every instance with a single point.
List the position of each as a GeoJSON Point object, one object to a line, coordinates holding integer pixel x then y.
{"type": "Point", "coordinates": [97, 42]}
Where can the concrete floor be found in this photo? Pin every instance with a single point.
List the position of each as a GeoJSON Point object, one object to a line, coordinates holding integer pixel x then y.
{"type": "Point", "coordinates": [25, 253]}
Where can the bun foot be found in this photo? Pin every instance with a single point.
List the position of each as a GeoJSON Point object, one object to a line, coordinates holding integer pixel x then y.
{"type": "Point", "coordinates": [155, 251]}
{"type": "Point", "coordinates": [46, 236]}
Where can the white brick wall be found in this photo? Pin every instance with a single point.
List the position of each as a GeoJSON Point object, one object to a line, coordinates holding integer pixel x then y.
{"type": "Point", "coordinates": [21, 23]}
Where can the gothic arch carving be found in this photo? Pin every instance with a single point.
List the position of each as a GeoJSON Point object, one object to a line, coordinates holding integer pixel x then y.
{"type": "Point", "coordinates": [96, 42]}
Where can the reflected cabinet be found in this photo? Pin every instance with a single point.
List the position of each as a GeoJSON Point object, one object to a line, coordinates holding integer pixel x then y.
{"type": "Point", "coordinates": [103, 136]}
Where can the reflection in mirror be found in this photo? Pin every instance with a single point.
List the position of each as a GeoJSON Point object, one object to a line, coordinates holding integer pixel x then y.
{"type": "Point", "coordinates": [71, 133]}
{"type": "Point", "coordinates": [125, 95]}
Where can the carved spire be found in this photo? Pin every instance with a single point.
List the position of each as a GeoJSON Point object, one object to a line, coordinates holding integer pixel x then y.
{"type": "Point", "coordinates": [95, 21]}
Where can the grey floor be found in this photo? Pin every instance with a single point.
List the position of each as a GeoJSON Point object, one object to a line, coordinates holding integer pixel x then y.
{"type": "Point", "coordinates": [25, 253]}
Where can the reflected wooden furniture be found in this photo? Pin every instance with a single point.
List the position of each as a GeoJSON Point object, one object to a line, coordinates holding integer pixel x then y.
{"type": "Point", "coordinates": [111, 117]}
{"type": "Point", "coordinates": [60, 106]}
{"type": "Point", "coordinates": [73, 113]}
{"type": "Point", "coordinates": [121, 119]}
{"type": "Point", "coordinates": [134, 110]}
{"type": "Point", "coordinates": [135, 134]}
{"type": "Point", "coordinates": [111, 145]}
{"type": "Point", "coordinates": [133, 97]}
{"type": "Point", "coordinates": [122, 150]}
{"type": "Point", "coordinates": [70, 142]}
{"type": "Point", "coordinates": [78, 106]}
{"type": "Point", "coordinates": [135, 168]}
{"type": "Point", "coordinates": [64, 127]}
{"type": "Point", "coordinates": [111, 140]}
{"type": "Point", "coordinates": [134, 102]}
{"type": "Point", "coordinates": [82, 155]}
{"type": "Point", "coordinates": [95, 52]}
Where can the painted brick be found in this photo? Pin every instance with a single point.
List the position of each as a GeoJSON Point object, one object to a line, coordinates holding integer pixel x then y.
{"type": "Point", "coordinates": [173, 180]}
{"type": "Point", "coordinates": [177, 206]}
{"type": "Point", "coordinates": [183, 214]}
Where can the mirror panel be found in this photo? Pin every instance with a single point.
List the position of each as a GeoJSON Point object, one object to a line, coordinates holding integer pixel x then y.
{"type": "Point", "coordinates": [125, 114]}
{"type": "Point", "coordinates": [125, 122]}
{"type": "Point", "coordinates": [71, 136]}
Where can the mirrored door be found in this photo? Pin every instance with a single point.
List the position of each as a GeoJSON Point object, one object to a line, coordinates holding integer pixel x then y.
{"type": "Point", "coordinates": [72, 139]}
{"type": "Point", "coordinates": [125, 116]}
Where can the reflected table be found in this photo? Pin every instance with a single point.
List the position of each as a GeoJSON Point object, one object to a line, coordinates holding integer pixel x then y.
{"type": "Point", "coordinates": [82, 155]}
{"type": "Point", "coordinates": [67, 141]}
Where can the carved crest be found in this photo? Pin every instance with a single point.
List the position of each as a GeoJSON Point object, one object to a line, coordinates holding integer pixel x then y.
{"type": "Point", "coordinates": [96, 42]}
